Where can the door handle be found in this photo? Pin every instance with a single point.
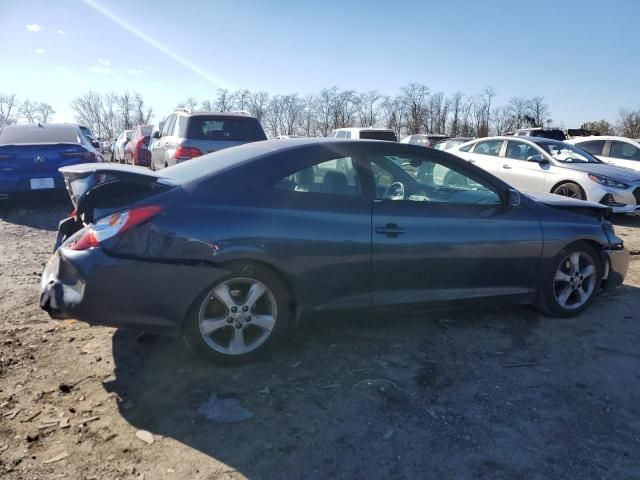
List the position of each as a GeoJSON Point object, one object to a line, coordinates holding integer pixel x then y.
{"type": "Point", "coordinates": [506, 166]}
{"type": "Point", "coordinates": [390, 230]}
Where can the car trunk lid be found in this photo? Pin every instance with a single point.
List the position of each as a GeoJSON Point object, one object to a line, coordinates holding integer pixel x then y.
{"type": "Point", "coordinates": [98, 189]}
{"type": "Point", "coordinates": [41, 158]}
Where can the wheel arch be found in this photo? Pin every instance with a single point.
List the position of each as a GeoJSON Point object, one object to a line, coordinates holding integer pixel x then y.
{"type": "Point", "coordinates": [557, 184]}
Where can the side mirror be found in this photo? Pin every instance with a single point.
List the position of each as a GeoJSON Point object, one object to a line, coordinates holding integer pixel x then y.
{"type": "Point", "coordinates": [156, 134]}
{"type": "Point", "coordinates": [513, 198]}
{"type": "Point", "coordinates": [537, 158]}
{"type": "Point", "coordinates": [95, 144]}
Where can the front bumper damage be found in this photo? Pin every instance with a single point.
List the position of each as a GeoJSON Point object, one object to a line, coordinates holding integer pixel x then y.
{"type": "Point", "coordinates": [99, 289]}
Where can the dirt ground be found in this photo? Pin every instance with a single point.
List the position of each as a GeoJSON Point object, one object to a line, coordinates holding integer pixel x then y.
{"type": "Point", "coordinates": [499, 393]}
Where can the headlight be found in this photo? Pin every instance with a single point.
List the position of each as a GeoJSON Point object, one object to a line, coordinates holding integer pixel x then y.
{"type": "Point", "coordinates": [606, 181]}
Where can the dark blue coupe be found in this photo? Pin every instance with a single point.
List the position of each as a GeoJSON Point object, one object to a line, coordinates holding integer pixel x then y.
{"type": "Point", "coordinates": [230, 249]}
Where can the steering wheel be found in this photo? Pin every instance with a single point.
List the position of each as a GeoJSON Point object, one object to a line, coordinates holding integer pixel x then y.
{"type": "Point", "coordinates": [395, 191]}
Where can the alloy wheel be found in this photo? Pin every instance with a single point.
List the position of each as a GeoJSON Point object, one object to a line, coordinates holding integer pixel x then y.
{"type": "Point", "coordinates": [575, 280]}
{"type": "Point", "coordinates": [237, 316]}
{"type": "Point", "coordinates": [570, 190]}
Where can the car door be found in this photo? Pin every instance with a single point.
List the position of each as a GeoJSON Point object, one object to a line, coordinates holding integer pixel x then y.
{"type": "Point", "coordinates": [319, 206]}
{"type": "Point", "coordinates": [518, 168]}
{"type": "Point", "coordinates": [447, 239]}
{"type": "Point", "coordinates": [485, 154]}
{"type": "Point", "coordinates": [624, 154]}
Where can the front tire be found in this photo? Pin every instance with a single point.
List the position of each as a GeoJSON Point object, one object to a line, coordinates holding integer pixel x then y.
{"type": "Point", "coordinates": [239, 317]}
{"type": "Point", "coordinates": [572, 282]}
{"type": "Point", "coordinates": [570, 189]}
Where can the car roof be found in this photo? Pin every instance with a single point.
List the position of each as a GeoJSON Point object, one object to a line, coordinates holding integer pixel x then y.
{"type": "Point", "coordinates": [231, 158]}
{"type": "Point", "coordinates": [35, 126]}
{"type": "Point", "coordinates": [360, 129]}
{"type": "Point", "coordinates": [604, 137]}
{"type": "Point", "coordinates": [512, 138]}
{"type": "Point", "coordinates": [203, 113]}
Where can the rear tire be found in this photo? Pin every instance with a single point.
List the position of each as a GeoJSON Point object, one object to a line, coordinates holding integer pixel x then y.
{"type": "Point", "coordinates": [240, 317]}
{"type": "Point", "coordinates": [572, 281]}
{"type": "Point", "coordinates": [570, 189]}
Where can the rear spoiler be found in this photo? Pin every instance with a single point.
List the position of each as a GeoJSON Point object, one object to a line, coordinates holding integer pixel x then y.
{"type": "Point", "coordinates": [82, 178]}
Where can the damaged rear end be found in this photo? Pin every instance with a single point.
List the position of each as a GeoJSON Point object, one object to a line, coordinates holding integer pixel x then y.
{"type": "Point", "coordinates": [85, 280]}
{"type": "Point", "coordinates": [99, 190]}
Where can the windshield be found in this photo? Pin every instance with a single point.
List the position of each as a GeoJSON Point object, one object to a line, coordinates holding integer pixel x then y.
{"type": "Point", "coordinates": [563, 152]}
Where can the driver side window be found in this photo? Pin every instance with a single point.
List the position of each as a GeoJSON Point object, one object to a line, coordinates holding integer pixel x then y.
{"type": "Point", "coordinates": [427, 180]}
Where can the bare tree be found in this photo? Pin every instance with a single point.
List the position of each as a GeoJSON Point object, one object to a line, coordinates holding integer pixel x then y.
{"type": "Point", "coordinates": [225, 101]}
{"type": "Point", "coordinates": [502, 120]}
{"type": "Point", "coordinates": [538, 111]}
{"type": "Point", "coordinates": [242, 99]}
{"type": "Point", "coordinates": [29, 110]}
{"type": "Point", "coordinates": [369, 105]}
{"type": "Point", "coordinates": [414, 98]}
{"type": "Point", "coordinates": [394, 114]}
{"type": "Point", "coordinates": [629, 123]}
{"type": "Point", "coordinates": [142, 115]}
{"type": "Point", "coordinates": [456, 110]}
{"type": "Point", "coordinates": [258, 104]}
{"type": "Point", "coordinates": [44, 112]}
{"type": "Point", "coordinates": [601, 126]}
{"type": "Point", "coordinates": [323, 107]}
{"type": "Point", "coordinates": [8, 109]}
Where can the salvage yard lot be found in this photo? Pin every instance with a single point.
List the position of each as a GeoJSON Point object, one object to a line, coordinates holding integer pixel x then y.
{"type": "Point", "coordinates": [493, 393]}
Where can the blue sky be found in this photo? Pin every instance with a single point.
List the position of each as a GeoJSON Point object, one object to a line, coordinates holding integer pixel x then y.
{"type": "Point", "coordinates": [582, 56]}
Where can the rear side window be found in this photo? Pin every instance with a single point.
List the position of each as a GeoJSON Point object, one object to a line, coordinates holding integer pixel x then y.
{"type": "Point", "coordinates": [625, 151]}
{"type": "Point", "coordinates": [341, 134]}
{"type": "Point", "coordinates": [35, 134]}
{"type": "Point", "coordinates": [168, 126]}
{"type": "Point", "coordinates": [378, 135]}
{"type": "Point", "coordinates": [181, 131]}
{"type": "Point", "coordinates": [594, 147]}
{"type": "Point", "coordinates": [333, 177]}
{"type": "Point", "coordinates": [488, 147]}
{"type": "Point", "coordinates": [225, 128]}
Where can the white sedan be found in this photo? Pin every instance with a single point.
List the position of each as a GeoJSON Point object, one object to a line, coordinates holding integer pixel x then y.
{"type": "Point", "coordinates": [544, 165]}
{"type": "Point", "coordinates": [620, 151]}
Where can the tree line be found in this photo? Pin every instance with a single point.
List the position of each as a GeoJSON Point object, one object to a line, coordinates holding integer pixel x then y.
{"type": "Point", "coordinates": [413, 109]}
{"type": "Point", "coordinates": [13, 111]}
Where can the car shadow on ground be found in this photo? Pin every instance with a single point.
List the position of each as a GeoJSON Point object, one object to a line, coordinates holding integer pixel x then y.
{"type": "Point", "coordinates": [43, 212]}
{"type": "Point", "coordinates": [626, 220]}
{"type": "Point", "coordinates": [458, 394]}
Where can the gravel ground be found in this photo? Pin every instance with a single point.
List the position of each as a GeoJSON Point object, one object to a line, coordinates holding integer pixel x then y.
{"type": "Point", "coordinates": [499, 393]}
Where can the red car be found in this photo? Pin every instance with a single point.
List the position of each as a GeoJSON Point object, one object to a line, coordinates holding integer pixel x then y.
{"type": "Point", "coordinates": [137, 150]}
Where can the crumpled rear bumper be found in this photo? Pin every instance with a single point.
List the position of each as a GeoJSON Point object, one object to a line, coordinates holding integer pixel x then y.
{"type": "Point", "coordinates": [618, 264]}
{"type": "Point", "coordinates": [94, 287]}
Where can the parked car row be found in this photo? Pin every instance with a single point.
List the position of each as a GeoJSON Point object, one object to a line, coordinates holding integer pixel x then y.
{"type": "Point", "coordinates": [543, 165]}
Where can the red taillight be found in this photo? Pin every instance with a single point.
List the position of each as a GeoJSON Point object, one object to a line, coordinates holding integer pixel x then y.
{"type": "Point", "coordinates": [114, 225]}
{"type": "Point", "coordinates": [184, 153]}
{"type": "Point", "coordinates": [90, 156]}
